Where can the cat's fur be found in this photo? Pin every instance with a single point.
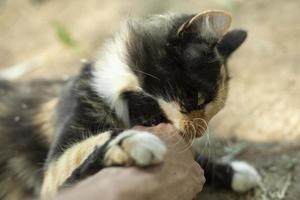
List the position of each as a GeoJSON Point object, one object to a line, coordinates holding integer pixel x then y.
{"type": "Point", "coordinates": [168, 68]}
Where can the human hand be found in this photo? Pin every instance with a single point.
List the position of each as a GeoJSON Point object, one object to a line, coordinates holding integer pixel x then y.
{"type": "Point", "coordinates": [178, 177]}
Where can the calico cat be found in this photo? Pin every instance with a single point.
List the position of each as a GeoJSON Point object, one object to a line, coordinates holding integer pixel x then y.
{"type": "Point", "coordinates": [169, 68]}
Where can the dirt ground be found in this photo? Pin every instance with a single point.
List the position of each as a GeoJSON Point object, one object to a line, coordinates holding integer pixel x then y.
{"type": "Point", "coordinates": [261, 121]}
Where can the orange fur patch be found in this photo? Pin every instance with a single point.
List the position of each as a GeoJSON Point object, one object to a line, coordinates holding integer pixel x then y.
{"type": "Point", "coordinates": [58, 171]}
{"type": "Point", "coordinates": [44, 119]}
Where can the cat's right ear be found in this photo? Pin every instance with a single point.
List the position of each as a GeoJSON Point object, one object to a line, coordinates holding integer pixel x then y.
{"type": "Point", "coordinates": [231, 41]}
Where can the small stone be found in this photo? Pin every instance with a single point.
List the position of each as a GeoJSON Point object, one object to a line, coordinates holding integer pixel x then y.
{"type": "Point", "coordinates": [24, 106]}
{"type": "Point", "coordinates": [17, 118]}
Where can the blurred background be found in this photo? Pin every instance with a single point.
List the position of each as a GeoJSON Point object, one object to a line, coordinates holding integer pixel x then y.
{"type": "Point", "coordinates": [261, 121]}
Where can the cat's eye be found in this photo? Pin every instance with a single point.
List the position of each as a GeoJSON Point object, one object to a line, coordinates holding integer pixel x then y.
{"type": "Point", "coordinates": [201, 101]}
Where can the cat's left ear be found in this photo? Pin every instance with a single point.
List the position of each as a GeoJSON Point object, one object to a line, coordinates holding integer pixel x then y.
{"type": "Point", "coordinates": [231, 41]}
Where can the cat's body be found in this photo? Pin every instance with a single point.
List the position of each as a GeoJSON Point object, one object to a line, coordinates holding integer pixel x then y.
{"type": "Point", "coordinates": [169, 68]}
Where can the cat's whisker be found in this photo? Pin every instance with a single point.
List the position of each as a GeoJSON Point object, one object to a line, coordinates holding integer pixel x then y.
{"type": "Point", "coordinates": [189, 128]}
{"type": "Point", "coordinates": [150, 75]}
{"type": "Point", "coordinates": [200, 128]}
{"type": "Point", "coordinates": [203, 121]}
{"type": "Point", "coordinates": [207, 141]}
{"type": "Point", "coordinates": [189, 136]}
{"type": "Point", "coordinates": [208, 144]}
{"type": "Point", "coordinates": [194, 130]}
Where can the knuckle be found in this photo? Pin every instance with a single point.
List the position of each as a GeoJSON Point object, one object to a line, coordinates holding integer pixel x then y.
{"type": "Point", "coordinates": [198, 169]}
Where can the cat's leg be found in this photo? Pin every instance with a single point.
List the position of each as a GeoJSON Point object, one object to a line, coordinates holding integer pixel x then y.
{"type": "Point", "coordinates": [238, 176]}
{"type": "Point", "coordinates": [129, 147]}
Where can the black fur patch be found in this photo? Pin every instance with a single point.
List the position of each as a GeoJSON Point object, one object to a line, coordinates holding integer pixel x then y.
{"type": "Point", "coordinates": [217, 175]}
{"type": "Point", "coordinates": [143, 110]}
{"type": "Point", "coordinates": [172, 67]}
{"type": "Point", "coordinates": [93, 163]}
{"type": "Point", "coordinates": [81, 112]}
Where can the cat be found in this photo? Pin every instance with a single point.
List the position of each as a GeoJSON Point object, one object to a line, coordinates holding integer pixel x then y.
{"type": "Point", "coordinates": [168, 68]}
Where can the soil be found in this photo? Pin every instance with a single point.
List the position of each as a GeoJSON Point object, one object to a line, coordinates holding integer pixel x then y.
{"type": "Point", "coordinates": [277, 164]}
{"type": "Point", "coordinates": [261, 121]}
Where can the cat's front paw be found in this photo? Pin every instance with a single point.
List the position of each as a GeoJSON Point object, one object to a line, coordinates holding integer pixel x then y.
{"type": "Point", "coordinates": [245, 176]}
{"type": "Point", "coordinates": [134, 147]}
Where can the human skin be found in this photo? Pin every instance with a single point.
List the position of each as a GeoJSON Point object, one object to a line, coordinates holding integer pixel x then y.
{"type": "Point", "coordinates": [178, 177]}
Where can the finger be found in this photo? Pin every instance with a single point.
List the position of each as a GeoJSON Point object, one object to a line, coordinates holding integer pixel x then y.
{"type": "Point", "coordinates": [198, 177]}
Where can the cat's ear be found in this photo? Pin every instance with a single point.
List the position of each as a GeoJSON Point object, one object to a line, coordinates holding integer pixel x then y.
{"type": "Point", "coordinates": [231, 41]}
{"type": "Point", "coordinates": [210, 24]}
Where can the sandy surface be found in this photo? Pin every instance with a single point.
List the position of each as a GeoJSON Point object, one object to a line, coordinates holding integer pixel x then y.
{"type": "Point", "coordinates": [263, 108]}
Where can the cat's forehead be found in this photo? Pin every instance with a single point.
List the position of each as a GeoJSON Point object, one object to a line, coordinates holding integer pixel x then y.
{"type": "Point", "coordinates": [166, 23]}
{"type": "Point", "coordinates": [163, 28]}
{"type": "Point", "coordinates": [158, 26]}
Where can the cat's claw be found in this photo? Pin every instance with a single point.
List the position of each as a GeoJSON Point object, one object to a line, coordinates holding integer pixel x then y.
{"type": "Point", "coordinates": [245, 176]}
{"type": "Point", "coordinates": [136, 147]}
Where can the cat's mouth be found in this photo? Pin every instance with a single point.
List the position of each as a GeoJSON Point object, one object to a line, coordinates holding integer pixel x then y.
{"type": "Point", "coordinates": [193, 128]}
{"type": "Point", "coordinates": [194, 124]}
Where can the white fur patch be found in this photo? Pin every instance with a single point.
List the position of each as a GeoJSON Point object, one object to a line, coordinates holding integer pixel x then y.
{"type": "Point", "coordinates": [245, 176]}
{"type": "Point", "coordinates": [147, 149]}
{"type": "Point", "coordinates": [112, 75]}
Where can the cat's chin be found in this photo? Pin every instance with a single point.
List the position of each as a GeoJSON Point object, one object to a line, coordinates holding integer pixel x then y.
{"type": "Point", "coordinates": [194, 131]}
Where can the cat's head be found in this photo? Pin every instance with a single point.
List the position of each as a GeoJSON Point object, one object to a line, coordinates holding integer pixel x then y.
{"type": "Point", "coordinates": [180, 61]}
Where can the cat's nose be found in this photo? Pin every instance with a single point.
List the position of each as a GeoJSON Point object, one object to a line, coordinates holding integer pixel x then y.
{"type": "Point", "coordinates": [187, 108]}
{"type": "Point", "coordinates": [183, 110]}
{"type": "Point", "coordinates": [191, 104]}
